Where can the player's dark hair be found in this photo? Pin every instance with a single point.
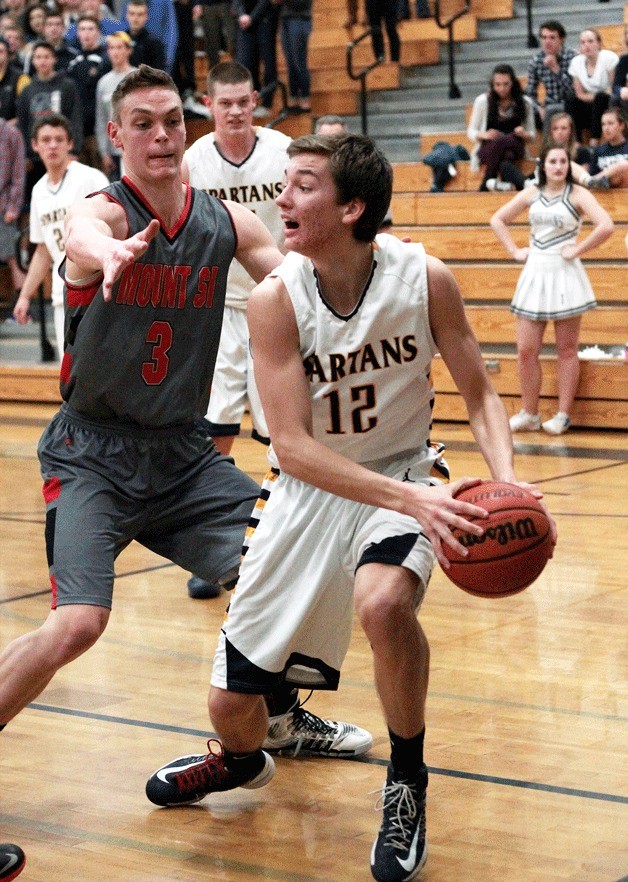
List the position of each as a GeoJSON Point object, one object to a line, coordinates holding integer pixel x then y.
{"type": "Point", "coordinates": [543, 156]}
{"type": "Point", "coordinates": [555, 26]}
{"type": "Point", "coordinates": [229, 73]}
{"type": "Point", "coordinates": [359, 170]}
{"type": "Point", "coordinates": [56, 120]}
{"type": "Point", "coordinates": [144, 77]}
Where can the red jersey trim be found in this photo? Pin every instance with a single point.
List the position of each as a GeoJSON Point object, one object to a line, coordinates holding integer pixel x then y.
{"type": "Point", "coordinates": [184, 214]}
{"type": "Point", "coordinates": [55, 592]}
{"type": "Point", "coordinates": [51, 490]}
{"type": "Point", "coordinates": [82, 295]}
{"type": "Point", "coordinates": [66, 368]}
{"type": "Point", "coordinates": [233, 226]}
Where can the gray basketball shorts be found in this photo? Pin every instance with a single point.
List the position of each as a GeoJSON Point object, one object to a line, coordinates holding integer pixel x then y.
{"type": "Point", "coordinates": [169, 489]}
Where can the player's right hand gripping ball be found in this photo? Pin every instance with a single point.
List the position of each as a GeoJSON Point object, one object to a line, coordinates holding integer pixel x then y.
{"type": "Point", "coordinates": [514, 548]}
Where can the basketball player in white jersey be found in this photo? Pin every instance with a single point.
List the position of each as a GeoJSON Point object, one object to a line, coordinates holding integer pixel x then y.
{"type": "Point", "coordinates": [246, 164]}
{"type": "Point", "coordinates": [65, 181]}
{"type": "Point", "coordinates": [353, 507]}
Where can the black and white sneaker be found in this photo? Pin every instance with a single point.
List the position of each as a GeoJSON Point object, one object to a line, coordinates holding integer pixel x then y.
{"type": "Point", "coordinates": [400, 850]}
{"type": "Point", "coordinates": [300, 731]}
{"type": "Point", "coordinates": [188, 779]}
{"type": "Point", "coordinates": [12, 861]}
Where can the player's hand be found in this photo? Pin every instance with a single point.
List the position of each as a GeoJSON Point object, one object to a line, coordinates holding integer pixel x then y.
{"type": "Point", "coordinates": [20, 310]}
{"type": "Point", "coordinates": [123, 253]}
{"type": "Point", "coordinates": [521, 254]}
{"type": "Point", "coordinates": [569, 252]}
{"type": "Point", "coordinates": [436, 509]}
{"type": "Point", "coordinates": [538, 494]}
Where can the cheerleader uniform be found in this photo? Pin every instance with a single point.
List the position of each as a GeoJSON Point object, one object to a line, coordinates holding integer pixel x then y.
{"type": "Point", "coordinates": [549, 286]}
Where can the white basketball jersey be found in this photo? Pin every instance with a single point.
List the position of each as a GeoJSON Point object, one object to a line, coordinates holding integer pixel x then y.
{"type": "Point", "coordinates": [368, 371]}
{"type": "Point", "coordinates": [49, 206]}
{"type": "Point", "coordinates": [254, 183]}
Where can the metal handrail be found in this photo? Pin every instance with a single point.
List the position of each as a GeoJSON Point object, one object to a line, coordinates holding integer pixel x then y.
{"type": "Point", "coordinates": [361, 75]}
{"type": "Point", "coordinates": [284, 113]}
{"type": "Point", "coordinates": [454, 91]}
{"type": "Point", "coordinates": [532, 40]}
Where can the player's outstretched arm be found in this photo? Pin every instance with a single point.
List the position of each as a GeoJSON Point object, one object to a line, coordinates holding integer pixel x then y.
{"type": "Point", "coordinates": [257, 250]}
{"type": "Point", "coordinates": [95, 241]}
{"type": "Point", "coordinates": [285, 397]}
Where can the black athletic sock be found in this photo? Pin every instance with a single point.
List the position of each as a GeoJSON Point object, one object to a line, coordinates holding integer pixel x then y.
{"type": "Point", "coordinates": [282, 699]}
{"type": "Point", "coordinates": [406, 756]}
{"type": "Point", "coordinates": [243, 763]}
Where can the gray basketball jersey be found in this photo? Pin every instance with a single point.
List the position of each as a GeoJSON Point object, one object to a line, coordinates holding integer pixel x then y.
{"type": "Point", "coordinates": [147, 357]}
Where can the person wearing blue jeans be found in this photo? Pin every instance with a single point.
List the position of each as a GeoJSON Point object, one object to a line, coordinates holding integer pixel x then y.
{"type": "Point", "coordinates": [296, 27]}
{"type": "Point", "coordinates": [258, 22]}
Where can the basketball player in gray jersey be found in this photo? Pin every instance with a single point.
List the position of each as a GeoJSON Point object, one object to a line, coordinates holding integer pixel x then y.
{"type": "Point", "coordinates": [124, 458]}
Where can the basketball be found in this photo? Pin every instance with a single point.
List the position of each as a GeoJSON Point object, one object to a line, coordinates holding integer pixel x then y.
{"type": "Point", "coordinates": [514, 548]}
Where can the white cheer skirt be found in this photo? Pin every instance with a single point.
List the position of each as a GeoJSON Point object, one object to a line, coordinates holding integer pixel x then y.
{"type": "Point", "coordinates": [551, 287]}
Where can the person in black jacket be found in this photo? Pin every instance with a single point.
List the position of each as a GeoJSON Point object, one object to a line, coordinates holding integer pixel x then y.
{"type": "Point", "coordinates": [146, 48]}
{"type": "Point", "coordinates": [8, 83]}
{"type": "Point", "coordinates": [54, 30]}
{"type": "Point", "coordinates": [85, 70]}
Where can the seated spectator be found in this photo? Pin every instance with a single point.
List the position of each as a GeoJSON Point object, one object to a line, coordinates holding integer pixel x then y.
{"type": "Point", "coordinates": [14, 37]}
{"type": "Point", "coordinates": [32, 22]}
{"type": "Point", "coordinates": [330, 125]}
{"type": "Point", "coordinates": [85, 70]}
{"type": "Point", "coordinates": [501, 122]}
{"type": "Point", "coordinates": [296, 27]}
{"type": "Point", "coordinates": [8, 84]}
{"type": "Point", "coordinates": [219, 27]}
{"type": "Point", "coordinates": [12, 180]}
{"type": "Point", "coordinates": [620, 81]}
{"type": "Point", "coordinates": [106, 23]}
{"type": "Point", "coordinates": [119, 51]}
{"type": "Point", "coordinates": [146, 48]}
{"type": "Point", "coordinates": [592, 72]}
{"type": "Point", "coordinates": [550, 68]}
{"type": "Point", "coordinates": [609, 164]}
{"type": "Point", "coordinates": [14, 8]}
{"type": "Point", "coordinates": [54, 33]}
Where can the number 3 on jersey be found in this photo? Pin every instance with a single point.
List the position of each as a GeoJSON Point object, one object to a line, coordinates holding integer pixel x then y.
{"type": "Point", "coordinates": [160, 336]}
{"type": "Point", "coordinates": [360, 422]}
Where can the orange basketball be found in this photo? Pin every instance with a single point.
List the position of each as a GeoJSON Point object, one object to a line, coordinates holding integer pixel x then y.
{"type": "Point", "coordinates": [514, 548]}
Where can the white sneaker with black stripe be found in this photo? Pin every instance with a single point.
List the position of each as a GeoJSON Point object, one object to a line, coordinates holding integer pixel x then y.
{"type": "Point", "coordinates": [300, 731]}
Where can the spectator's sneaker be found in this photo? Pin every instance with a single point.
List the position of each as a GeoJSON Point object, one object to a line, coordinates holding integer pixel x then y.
{"type": "Point", "coordinates": [525, 422]}
{"type": "Point", "coordinates": [400, 849]}
{"type": "Point", "coordinates": [190, 778]}
{"type": "Point", "coordinates": [602, 183]}
{"type": "Point", "coordinates": [199, 589]}
{"type": "Point", "coordinates": [499, 186]}
{"type": "Point", "coordinates": [557, 425]}
{"type": "Point", "coordinates": [300, 731]}
{"type": "Point", "coordinates": [12, 861]}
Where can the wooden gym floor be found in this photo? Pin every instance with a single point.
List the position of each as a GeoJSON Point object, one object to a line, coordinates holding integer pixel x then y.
{"type": "Point", "coordinates": [526, 737]}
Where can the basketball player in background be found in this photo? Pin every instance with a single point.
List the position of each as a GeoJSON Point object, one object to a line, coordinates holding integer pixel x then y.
{"type": "Point", "coordinates": [65, 181]}
{"type": "Point", "coordinates": [242, 162]}
{"type": "Point", "coordinates": [124, 458]}
{"type": "Point", "coordinates": [354, 507]}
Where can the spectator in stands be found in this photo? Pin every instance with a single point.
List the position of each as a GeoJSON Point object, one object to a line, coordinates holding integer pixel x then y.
{"type": "Point", "coordinates": [63, 183]}
{"type": "Point", "coordinates": [258, 22]}
{"type": "Point", "coordinates": [386, 10]}
{"type": "Point", "coordinates": [501, 122]}
{"type": "Point", "coordinates": [32, 22]}
{"type": "Point", "coordinates": [183, 70]}
{"type": "Point", "coordinates": [146, 48]}
{"type": "Point", "coordinates": [592, 71]}
{"type": "Point", "coordinates": [296, 27]}
{"type": "Point", "coordinates": [620, 81]}
{"type": "Point", "coordinates": [14, 8]}
{"type": "Point", "coordinates": [609, 164]}
{"type": "Point", "coordinates": [85, 70]}
{"type": "Point", "coordinates": [553, 285]}
{"type": "Point", "coordinates": [104, 21]}
{"type": "Point", "coordinates": [219, 28]}
{"type": "Point", "coordinates": [70, 10]}
{"type": "Point", "coordinates": [47, 91]}
{"type": "Point", "coordinates": [162, 23]}
{"type": "Point", "coordinates": [550, 67]}
{"type": "Point", "coordinates": [14, 37]}
{"type": "Point", "coordinates": [330, 125]}
{"type": "Point", "coordinates": [54, 33]}
{"type": "Point", "coordinates": [119, 49]}
{"type": "Point", "coordinates": [8, 84]}
{"type": "Point", "coordinates": [12, 180]}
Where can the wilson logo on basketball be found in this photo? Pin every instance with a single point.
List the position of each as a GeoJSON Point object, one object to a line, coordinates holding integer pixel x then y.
{"type": "Point", "coordinates": [524, 528]}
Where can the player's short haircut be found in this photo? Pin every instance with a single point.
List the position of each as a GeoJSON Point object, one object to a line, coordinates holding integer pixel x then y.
{"type": "Point", "coordinates": [554, 26]}
{"type": "Point", "coordinates": [545, 149]}
{"type": "Point", "coordinates": [330, 119]}
{"type": "Point", "coordinates": [229, 73]}
{"type": "Point", "coordinates": [144, 77]}
{"type": "Point", "coordinates": [138, 3]}
{"type": "Point", "coordinates": [359, 170]}
{"type": "Point", "coordinates": [56, 120]}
